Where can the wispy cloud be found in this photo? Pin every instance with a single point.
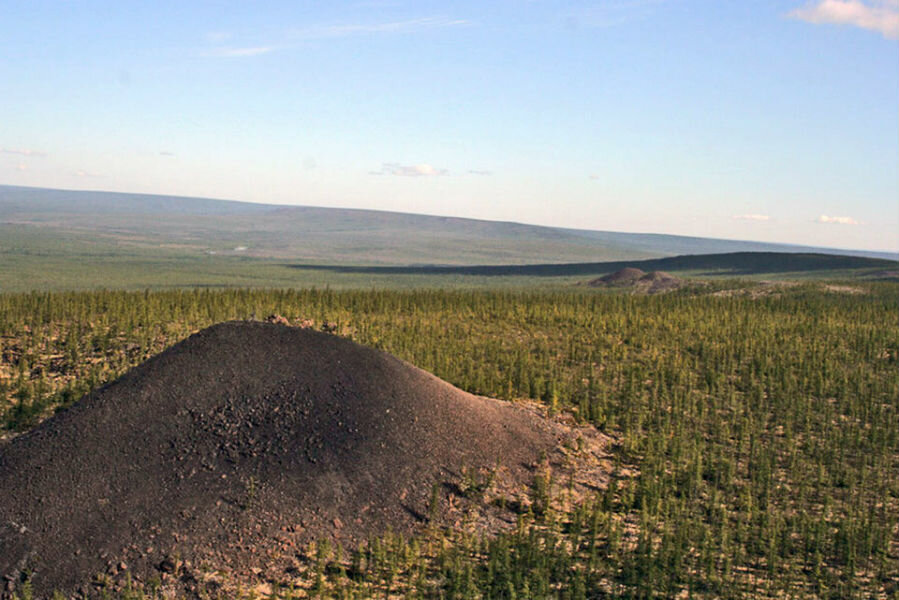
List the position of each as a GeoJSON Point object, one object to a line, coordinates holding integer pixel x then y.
{"type": "Point", "coordinates": [22, 152]}
{"type": "Point", "coordinates": [238, 52]}
{"type": "Point", "coordinates": [479, 172]}
{"type": "Point", "coordinates": [422, 170]}
{"type": "Point", "coordinates": [876, 15]}
{"type": "Point", "coordinates": [752, 217]}
{"type": "Point", "coordinates": [322, 32]}
{"type": "Point", "coordinates": [391, 27]}
{"type": "Point", "coordinates": [837, 220]}
{"type": "Point", "coordinates": [166, 153]}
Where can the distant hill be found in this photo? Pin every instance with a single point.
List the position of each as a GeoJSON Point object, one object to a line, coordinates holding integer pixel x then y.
{"type": "Point", "coordinates": [45, 222]}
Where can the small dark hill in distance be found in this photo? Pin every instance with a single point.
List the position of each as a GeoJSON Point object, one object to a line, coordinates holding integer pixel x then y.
{"type": "Point", "coordinates": [639, 281]}
{"type": "Point", "coordinates": [235, 447]}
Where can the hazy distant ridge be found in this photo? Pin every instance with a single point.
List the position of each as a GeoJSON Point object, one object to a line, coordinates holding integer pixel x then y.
{"type": "Point", "coordinates": [337, 235]}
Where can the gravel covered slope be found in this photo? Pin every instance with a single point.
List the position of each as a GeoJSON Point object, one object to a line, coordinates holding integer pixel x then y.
{"type": "Point", "coordinates": [234, 447]}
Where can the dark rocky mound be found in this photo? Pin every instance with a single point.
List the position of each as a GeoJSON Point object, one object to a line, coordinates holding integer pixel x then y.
{"type": "Point", "coordinates": [236, 446]}
{"type": "Point", "coordinates": [626, 276]}
{"type": "Point", "coordinates": [639, 281]}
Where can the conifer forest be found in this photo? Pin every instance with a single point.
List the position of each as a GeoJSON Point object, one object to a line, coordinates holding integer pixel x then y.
{"type": "Point", "coordinates": [756, 438]}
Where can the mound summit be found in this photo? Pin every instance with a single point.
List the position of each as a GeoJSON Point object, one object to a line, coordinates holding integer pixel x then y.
{"type": "Point", "coordinates": [238, 445]}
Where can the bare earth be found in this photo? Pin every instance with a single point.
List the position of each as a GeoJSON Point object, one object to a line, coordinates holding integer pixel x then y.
{"type": "Point", "coordinates": [237, 446]}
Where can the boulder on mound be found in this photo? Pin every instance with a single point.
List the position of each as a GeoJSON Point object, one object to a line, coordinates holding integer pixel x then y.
{"type": "Point", "coordinates": [235, 447]}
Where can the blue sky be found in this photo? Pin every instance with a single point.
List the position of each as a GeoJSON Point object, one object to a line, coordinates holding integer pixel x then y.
{"type": "Point", "coordinates": [762, 120]}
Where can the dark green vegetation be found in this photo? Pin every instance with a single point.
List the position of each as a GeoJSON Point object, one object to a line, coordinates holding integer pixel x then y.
{"type": "Point", "coordinates": [55, 239]}
{"type": "Point", "coordinates": [733, 264]}
{"type": "Point", "coordinates": [758, 435]}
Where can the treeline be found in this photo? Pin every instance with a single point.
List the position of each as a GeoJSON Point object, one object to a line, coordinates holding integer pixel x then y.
{"type": "Point", "coordinates": [764, 433]}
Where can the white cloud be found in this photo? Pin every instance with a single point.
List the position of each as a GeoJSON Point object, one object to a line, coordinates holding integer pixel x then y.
{"type": "Point", "coordinates": [346, 30]}
{"type": "Point", "coordinates": [86, 174]}
{"type": "Point", "coordinates": [422, 170]}
{"type": "Point", "coordinates": [21, 167]}
{"type": "Point", "coordinates": [837, 220]}
{"type": "Point", "coordinates": [22, 152]}
{"type": "Point", "coordinates": [166, 153]}
{"type": "Point", "coordinates": [238, 52]}
{"type": "Point", "coordinates": [877, 15]}
{"type": "Point", "coordinates": [752, 217]}
{"type": "Point", "coordinates": [479, 172]}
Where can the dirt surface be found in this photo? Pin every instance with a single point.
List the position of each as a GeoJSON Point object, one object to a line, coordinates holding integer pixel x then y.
{"type": "Point", "coordinates": [238, 445]}
{"type": "Point", "coordinates": [639, 281]}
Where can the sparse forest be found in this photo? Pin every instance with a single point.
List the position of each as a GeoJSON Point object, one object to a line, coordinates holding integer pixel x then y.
{"type": "Point", "coordinates": [757, 437]}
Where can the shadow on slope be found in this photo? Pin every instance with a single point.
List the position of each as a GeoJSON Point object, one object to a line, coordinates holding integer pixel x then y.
{"type": "Point", "coordinates": [731, 264]}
